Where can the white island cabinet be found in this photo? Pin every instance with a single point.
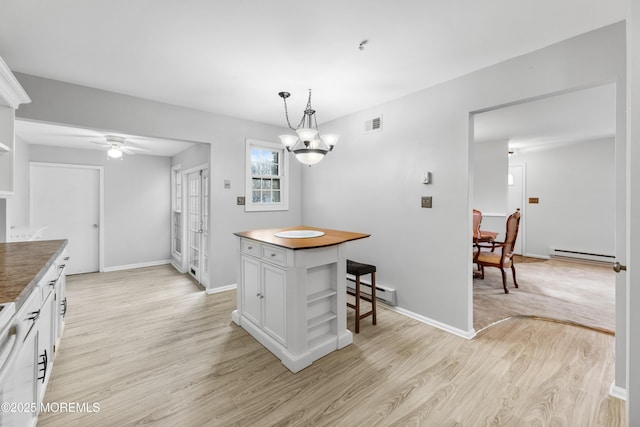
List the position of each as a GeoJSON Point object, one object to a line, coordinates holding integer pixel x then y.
{"type": "Point", "coordinates": [292, 293]}
{"type": "Point", "coordinates": [11, 96]}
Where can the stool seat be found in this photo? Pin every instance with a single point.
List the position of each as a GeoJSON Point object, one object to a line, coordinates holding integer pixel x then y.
{"type": "Point", "coordinates": [358, 269]}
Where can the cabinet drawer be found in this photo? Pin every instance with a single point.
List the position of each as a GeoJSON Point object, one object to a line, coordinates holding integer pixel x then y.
{"type": "Point", "coordinates": [47, 283]}
{"type": "Point", "coordinates": [274, 255]}
{"type": "Point", "coordinates": [250, 247]}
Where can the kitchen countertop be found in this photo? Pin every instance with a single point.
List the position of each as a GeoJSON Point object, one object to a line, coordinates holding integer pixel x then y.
{"type": "Point", "coordinates": [22, 265]}
{"type": "Point", "coordinates": [331, 237]}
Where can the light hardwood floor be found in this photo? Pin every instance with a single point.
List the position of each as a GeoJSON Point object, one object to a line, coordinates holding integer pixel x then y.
{"type": "Point", "coordinates": [151, 348]}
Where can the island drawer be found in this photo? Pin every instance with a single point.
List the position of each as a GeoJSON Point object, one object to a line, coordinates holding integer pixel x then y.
{"type": "Point", "coordinates": [250, 247]}
{"type": "Point", "coordinates": [274, 255]}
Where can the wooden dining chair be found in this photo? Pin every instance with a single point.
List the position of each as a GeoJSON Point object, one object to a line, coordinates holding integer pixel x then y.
{"type": "Point", "coordinates": [502, 258]}
{"type": "Point", "coordinates": [478, 234]}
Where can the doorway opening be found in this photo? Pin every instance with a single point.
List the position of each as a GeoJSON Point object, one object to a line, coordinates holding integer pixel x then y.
{"type": "Point", "coordinates": [554, 158]}
{"type": "Point", "coordinates": [196, 206]}
{"type": "Point", "coordinates": [67, 201]}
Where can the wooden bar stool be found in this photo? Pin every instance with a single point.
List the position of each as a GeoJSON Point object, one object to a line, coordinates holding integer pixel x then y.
{"type": "Point", "coordinates": [358, 269]}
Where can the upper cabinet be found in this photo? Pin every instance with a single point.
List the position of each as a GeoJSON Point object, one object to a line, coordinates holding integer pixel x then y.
{"type": "Point", "coordinates": [11, 96]}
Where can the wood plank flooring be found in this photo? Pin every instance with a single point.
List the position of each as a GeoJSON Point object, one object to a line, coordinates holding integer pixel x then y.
{"type": "Point", "coordinates": [151, 348]}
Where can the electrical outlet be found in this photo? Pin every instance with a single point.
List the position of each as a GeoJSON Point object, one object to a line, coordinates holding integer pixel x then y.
{"type": "Point", "coordinates": [426, 201]}
{"type": "Point", "coordinates": [240, 200]}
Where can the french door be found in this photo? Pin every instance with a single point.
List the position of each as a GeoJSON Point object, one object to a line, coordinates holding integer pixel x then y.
{"type": "Point", "coordinates": [198, 225]}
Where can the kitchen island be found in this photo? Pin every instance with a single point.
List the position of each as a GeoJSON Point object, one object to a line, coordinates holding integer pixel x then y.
{"type": "Point", "coordinates": [292, 291]}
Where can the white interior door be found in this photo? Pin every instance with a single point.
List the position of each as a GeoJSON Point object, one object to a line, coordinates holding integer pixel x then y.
{"type": "Point", "coordinates": [198, 225]}
{"type": "Point", "coordinates": [515, 200]}
{"type": "Point", "coordinates": [66, 200]}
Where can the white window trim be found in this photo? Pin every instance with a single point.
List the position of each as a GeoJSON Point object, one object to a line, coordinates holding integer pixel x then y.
{"type": "Point", "coordinates": [175, 169]}
{"type": "Point", "coordinates": [249, 206]}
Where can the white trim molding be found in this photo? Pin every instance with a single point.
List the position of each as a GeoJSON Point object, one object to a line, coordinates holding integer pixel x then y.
{"type": "Point", "coordinates": [101, 222]}
{"type": "Point", "coordinates": [138, 265]}
{"type": "Point", "coordinates": [10, 89]}
{"type": "Point", "coordinates": [420, 318]}
{"type": "Point", "coordinates": [618, 392]}
{"type": "Point", "coordinates": [219, 289]}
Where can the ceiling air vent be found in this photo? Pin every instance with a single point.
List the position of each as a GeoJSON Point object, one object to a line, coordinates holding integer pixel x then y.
{"type": "Point", "coordinates": [373, 125]}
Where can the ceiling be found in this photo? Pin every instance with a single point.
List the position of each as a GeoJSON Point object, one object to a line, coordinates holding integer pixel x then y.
{"type": "Point", "coordinates": [88, 139]}
{"type": "Point", "coordinates": [231, 57]}
{"type": "Point", "coordinates": [562, 119]}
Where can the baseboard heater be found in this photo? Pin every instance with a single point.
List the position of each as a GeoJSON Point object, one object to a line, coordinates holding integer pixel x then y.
{"type": "Point", "coordinates": [565, 253]}
{"type": "Point", "coordinates": [383, 293]}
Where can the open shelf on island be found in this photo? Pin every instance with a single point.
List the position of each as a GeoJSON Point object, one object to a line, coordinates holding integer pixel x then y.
{"type": "Point", "coordinates": [321, 295]}
{"type": "Point", "coordinates": [323, 318]}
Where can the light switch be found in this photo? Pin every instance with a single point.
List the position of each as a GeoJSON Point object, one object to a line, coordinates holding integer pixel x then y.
{"type": "Point", "coordinates": [426, 201]}
{"type": "Point", "coordinates": [227, 183]}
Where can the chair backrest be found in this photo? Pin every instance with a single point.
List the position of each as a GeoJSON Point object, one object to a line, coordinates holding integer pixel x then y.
{"type": "Point", "coordinates": [477, 219]}
{"type": "Point", "coordinates": [513, 223]}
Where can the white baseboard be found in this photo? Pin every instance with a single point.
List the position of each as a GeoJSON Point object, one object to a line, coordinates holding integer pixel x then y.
{"type": "Point", "coordinates": [420, 318]}
{"type": "Point", "coordinates": [177, 266]}
{"type": "Point", "coordinates": [618, 392]}
{"type": "Point", "coordinates": [537, 256]}
{"type": "Point", "coordinates": [221, 289]}
{"type": "Point", "coordinates": [139, 265]}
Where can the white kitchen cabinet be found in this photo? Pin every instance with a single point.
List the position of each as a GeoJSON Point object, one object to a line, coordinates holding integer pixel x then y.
{"type": "Point", "coordinates": [7, 150]}
{"type": "Point", "coordinates": [22, 382]}
{"type": "Point", "coordinates": [263, 296]}
{"type": "Point", "coordinates": [26, 368]}
{"type": "Point", "coordinates": [60, 300]}
{"type": "Point", "coordinates": [11, 96]}
{"type": "Point", "coordinates": [274, 281]}
{"type": "Point", "coordinates": [292, 299]}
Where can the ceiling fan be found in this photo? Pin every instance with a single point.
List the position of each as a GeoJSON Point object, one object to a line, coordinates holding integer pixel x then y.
{"type": "Point", "coordinates": [116, 146]}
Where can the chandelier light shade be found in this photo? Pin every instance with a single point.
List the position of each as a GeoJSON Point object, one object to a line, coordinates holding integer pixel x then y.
{"type": "Point", "coordinates": [307, 144]}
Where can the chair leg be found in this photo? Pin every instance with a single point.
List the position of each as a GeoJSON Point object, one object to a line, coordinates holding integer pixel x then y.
{"type": "Point", "coordinates": [504, 281]}
{"type": "Point", "coordinates": [513, 270]}
{"type": "Point", "coordinates": [357, 304]}
{"type": "Point", "coordinates": [373, 296]}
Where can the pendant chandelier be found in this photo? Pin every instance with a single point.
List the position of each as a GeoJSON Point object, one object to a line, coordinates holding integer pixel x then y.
{"type": "Point", "coordinates": [307, 145]}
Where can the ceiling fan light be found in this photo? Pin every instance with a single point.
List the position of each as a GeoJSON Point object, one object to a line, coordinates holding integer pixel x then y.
{"type": "Point", "coordinates": [306, 134]}
{"type": "Point", "coordinates": [114, 153]}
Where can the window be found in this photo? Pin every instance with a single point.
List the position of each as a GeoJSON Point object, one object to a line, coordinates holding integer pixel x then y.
{"type": "Point", "coordinates": [176, 211]}
{"type": "Point", "coordinates": [266, 187]}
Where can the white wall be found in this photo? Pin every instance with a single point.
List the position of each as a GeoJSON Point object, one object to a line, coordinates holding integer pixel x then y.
{"type": "Point", "coordinates": [136, 202]}
{"type": "Point", "coordinates": [575, 185]}
{"type": "Point", "coordinates": [18, 205]}
{"type": "Point", "coordinates": [372, 182]}
{"type": "Point", "coordinates": [490, 169]}
{"type": "Point", "coordinates": [58, 102]}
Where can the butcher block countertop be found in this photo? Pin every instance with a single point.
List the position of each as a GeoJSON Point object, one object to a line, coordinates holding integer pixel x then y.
{"type": "Point", "coordinates": [330, 238]}
{"type": "Point", "coordinates": [22, 265]}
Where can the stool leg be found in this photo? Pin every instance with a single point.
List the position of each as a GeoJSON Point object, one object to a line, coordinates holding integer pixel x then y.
{"type": "Point", "coordinates": [373, 296]}
{"type": "Point", "coordinates": [357, 304]}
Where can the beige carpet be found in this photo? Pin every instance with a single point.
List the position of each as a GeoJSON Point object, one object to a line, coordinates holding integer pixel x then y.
{"type": "Point", "coordinates": [556, 289]}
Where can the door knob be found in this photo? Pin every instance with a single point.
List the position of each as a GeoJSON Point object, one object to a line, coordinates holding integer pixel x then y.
{"type": "Point", "coordinates": [95, 225]}
{"type": "Point", "coordinates": [617, 267]}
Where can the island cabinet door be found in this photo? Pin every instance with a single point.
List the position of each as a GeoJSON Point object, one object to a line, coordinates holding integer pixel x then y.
{"type": "Point", "coordinates": [251, 290]}
{"type": "Point", "coordinates": [274, 287]}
